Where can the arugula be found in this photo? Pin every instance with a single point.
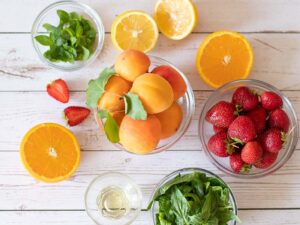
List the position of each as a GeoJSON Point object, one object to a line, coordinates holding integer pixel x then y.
{"type": "Point", "coordinates": [134, 107]}
{"type": "Point", "coordinates": [72, 40]}
{"type": "Point", "coordinates": [111, 127]}
{"type": "Point", "coordinates": [193, 199]}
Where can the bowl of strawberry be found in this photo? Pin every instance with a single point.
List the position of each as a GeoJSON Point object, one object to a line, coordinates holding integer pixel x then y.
{"type": "Point", "coordinates": [248, 128]}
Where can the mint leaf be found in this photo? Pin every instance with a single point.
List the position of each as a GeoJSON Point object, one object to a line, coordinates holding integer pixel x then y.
{"type": "Point", "coordinates": [134, 107]}
{"type": "Point", "coordinates": [86, 53]}
{"type": "Point", "coordinates": [49, 27]}
{"type": "Point", "coordinates": [102, 113]}
{"type": "Point", "coordinates": [111, 127]}
{"type": "Point", "coordinates": [43, 40]}
{"type": "Point", "coordinates": [96, 87]}
{"type": "Point", "coordinates": [63, 16]}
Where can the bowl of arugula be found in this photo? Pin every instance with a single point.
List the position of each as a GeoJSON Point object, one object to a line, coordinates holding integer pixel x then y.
{"type": "Point", "coordinates": [193, 196]}
{"type": "Point", "coordinates": [68, 35]}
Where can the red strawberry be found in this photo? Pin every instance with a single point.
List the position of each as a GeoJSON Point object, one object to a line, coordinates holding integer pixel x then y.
{"type": "Point", "coordinates": [59, 90]}
{"type": "Point", "coordinates": [76, 114]}
{"type": "Point", "coordinates": [237, 164]}
{"type": "Point", "coordinates": [270, 100]}
{"type": "Point", "coordinates": [217, 144]}
{"type": "Point", "coordinates": [267, 160]}
{"type": "Point", "coordinates": [279, 119]}
{"type": "Point", "coordinates": [272, 140]}
{"type": "Point", "coordinates": [244, 97]}
{"type": "Point", "coordinates": [252, 152]}
{"type": "Point", "coordinates": [221, 114]}
{"type": "Point", "coordinates": [219, 129]}
{"type": "Point", "coordinates": [259, 118]}
{"type": "Point", "coordinates": [242, 128]}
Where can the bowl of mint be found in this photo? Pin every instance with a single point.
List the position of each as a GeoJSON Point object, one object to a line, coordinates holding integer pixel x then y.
{"type": "Point", "coordinates": [193, 196]}
{"type": "Point", "coordinates": [68, 35]}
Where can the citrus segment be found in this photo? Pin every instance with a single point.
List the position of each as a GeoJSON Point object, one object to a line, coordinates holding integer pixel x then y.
{"type": "Point", "coordinates": [50, 152]}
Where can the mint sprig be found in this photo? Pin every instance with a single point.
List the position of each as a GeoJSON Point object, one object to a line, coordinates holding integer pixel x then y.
{"type": "Point", "coordinates": [134, 107]}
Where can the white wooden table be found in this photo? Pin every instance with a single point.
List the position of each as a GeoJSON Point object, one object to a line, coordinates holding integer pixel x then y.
{"type": "Point", "coordinates": [272, 27]}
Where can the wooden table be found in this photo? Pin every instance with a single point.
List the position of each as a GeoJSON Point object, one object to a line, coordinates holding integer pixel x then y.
{"type": "Point", "coordinates": [272, 27]}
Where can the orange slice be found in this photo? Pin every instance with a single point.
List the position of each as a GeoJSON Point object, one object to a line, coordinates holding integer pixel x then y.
{"type": "Point", "coordinates": [223, 57]}
{"type": "Point", "coordinates": [50, 152]}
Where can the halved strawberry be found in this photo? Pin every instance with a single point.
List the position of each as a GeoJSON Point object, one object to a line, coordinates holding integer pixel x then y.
{"type": "Point", "coordinates": [76, 114]}
{"type": "Point", "coordinates": [59, 90]}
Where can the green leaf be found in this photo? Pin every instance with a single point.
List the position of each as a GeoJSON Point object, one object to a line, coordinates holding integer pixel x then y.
{"type": "Point", "coordinates": [49, 27]}
{"type": "Point", "coordinates": [74, 16]}
{"type": "Point", "coordinates": [102, 113]}
{"type": "Point", "coordinates": [86, 53]}
{"type": "Point", "coordinates": [63, 16]}
{"type": "Point", "coordinates": [43, 40]}
{"type": "Point", "coordinates": [179, 206]}
{"type": "Point", "coordinates": [96, 87]}
{"type": "Point", "coordinates": [79, 30]}
{"type": "Point", "coordinates": [111, 127]}
{"type": "Point", "coordinates": [134, 107]}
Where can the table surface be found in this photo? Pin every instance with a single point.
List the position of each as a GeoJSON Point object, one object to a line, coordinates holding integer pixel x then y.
{"type": "Point", "coordinates": [271, 26]}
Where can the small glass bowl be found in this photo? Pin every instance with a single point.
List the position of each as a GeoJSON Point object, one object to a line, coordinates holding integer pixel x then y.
{"type": "Point", "coordinates": [187, 103]}
{"type": "Point", "coordinates": [225, 92]}
{"type": "Point", "coordinates": [113, 180]}
{"type": "Point", "coordinates": [49, 15]}
{"type": "Point", "coordinates": [172, 175]}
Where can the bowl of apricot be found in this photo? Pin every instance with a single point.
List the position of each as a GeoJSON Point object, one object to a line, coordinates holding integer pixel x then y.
{"type": "Point", "coordinates": [145, 104]}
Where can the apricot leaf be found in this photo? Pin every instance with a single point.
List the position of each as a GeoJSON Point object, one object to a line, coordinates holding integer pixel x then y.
{"type": "Point", "coordinates": [111, 127]}
{"type": "Point", "coordinates": [96, 87]}
{"type": "Point", "coordinates": [134, 107]}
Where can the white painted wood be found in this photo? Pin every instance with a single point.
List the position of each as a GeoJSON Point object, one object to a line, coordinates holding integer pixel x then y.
{"type": "Point", "coordinates": [22, 110]}
{"type": "Point", "coordinates": [248, 217]}
{"type": "Point", "coordinates": [276, 55]}
{"type": "Point", "coordinates": [19, 191]}
{"type": "Point", "coordinates": [239, 15]}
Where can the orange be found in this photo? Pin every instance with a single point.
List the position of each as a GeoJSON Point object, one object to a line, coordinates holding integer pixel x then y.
{"type": "Point", "coordinates": [50, 152]}
{"type": "Point", "coordinates": [224, 56]}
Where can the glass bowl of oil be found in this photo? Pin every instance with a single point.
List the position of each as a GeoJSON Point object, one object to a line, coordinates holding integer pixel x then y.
{"type": "Point", "coordinates": [113, 199]}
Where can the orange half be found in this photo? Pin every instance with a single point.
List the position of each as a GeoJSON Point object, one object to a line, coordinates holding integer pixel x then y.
{"type": "Point", "coordinates": [224, 56]}
{"type": "Point", "coordinates": [50, 152]}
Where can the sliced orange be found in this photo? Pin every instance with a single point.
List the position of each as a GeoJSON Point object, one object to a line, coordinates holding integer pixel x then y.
{"type": "Point", "coordinates": [50, 152]}
{"type": "Point", "coordinates": [224, 56]}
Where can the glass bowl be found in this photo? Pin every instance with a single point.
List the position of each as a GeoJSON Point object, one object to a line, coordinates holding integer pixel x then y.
{"type": "Point", "coordinates": [49, 15]}
{"type": "Point", "coordinates": [113, 198]}
{"type": "Point", "coordinates": [225, 92]}
{"type": "Point", "coordinates": [187, 103]}
{"type": "Point", "coordinates": [172, 175]}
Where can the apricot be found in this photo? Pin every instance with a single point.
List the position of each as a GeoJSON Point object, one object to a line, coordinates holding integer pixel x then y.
{"type": "Point", "coordinates": [154, 91]}
{"type": "Point", "coordinates": [132, 63]}
{"type": "Point", "coordinates": [174, 78]}
{"type": "Point", "coordinates": [118, 116]}
{"type": "Point", "coordinates": [115, 88]}
{"type": "Point", "coordinates": [140, 136]}
{"type": "Point", "coordinates": [170, 120]}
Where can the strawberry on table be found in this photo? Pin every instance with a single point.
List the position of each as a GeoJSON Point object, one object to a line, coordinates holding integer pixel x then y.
{"type": "Point", "coordinates": [219, 144]}
{"type": "Point", "coordinates": [267, 160]}
{"type": "Point", "coordinates": [244, 97]}
{"type": "Point", "coordinates": [242, 128]}
{"type": "Point", "coordinates": [252, 152]}
{"type": "Point", "coordinates": [259, 118]}
{"type": "Point", "coordinates": [237, 164]}
{"type": "Point", "coordinates": [270, 100]}
{"type": "Point", "coordinates": [279, 119]}
{"type": "Point", "coordinates": [59, 90]}
{"type": "Point", "coordinates": [272, 140]}
{"type": "Point", "coordinates": [221, 114]}
{"type": "Point", "coordinates": [76, 114]}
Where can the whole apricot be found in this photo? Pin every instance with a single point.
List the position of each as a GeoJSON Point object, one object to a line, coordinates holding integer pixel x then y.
{"type": "Point", "coordinates": [154, 91]}
{"type": "Point", "coordinates": [140, 136]}
{"type": "Point", "coordinates": [174, 78]}
{"type": "Point", "coordinates": [132, 63]}
{"type": "Point", "coordinates": [112, 99]}
{"type": "Point", "coordinates": [170, 120]}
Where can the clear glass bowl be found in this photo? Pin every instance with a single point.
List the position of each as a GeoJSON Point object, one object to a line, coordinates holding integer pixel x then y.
{"type": "Point", "coordinates": [99, 189]}
{"type": "Point", "coordinates": [225, 92]}
{"type": "Point", "coordinates": [187, 103]}
{"type": "Point", "coordinates": [49, 15]}
{"type": "Point", "coordinates": [171, 176]}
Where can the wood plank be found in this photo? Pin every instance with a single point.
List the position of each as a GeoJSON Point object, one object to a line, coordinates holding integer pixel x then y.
{"type": "Point", "coordinates": [248, 217]}
{"type": "Point", "coordinates": [239, 15]}
{"type": "Point", "coordinates": [19, 113]}
{"type": "Point", "coordinates": [18, 191]}
{"type": "Point", "coordinates": [275, 55]}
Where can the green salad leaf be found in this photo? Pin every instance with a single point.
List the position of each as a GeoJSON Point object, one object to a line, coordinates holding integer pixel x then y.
{"type": "Point", "coordinates": [111, 127]}
{"type": "Point", "coordinates": [193, 199]}
{"type": "Point", "coordinates": [134, 107]}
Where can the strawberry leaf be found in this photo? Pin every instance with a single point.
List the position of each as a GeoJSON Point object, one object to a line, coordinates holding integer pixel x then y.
{"type": "Point", "coordinates": [111, 127]}
{"type": "Point", "coordinates": [134, 107]}
{"type": "Point", "coordinates": [96, 87]}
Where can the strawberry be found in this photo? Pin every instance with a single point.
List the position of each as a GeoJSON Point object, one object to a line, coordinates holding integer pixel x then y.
{"type": "Point", "coordinates": [267, 160]}
{"type": "Point", "coordinates": [221, 114]}
{"type": "Point", "coordinates": [242, 128]}
{"type": "Point", "coordinates": [76, 114]}
{"type": "Point", "coordinates": [219, 129]}
{"type": "Point", "coordinates": [252, 152]}
{"type": "Point", "coordinates": [237, 164]}
{"type": "Point", "coordinates": [59, 90]}
{"type": "Point", "coordinates": [259, 118]}
{"type": "Point", "coordinates": [279, 119]}
{"type": "Point", "coordinates": [217, 144]}
{"type": "Point", "coordinates": [270, 100]}
{"type": "Point", "coordinates": [244, 97]}
{"type": "Point", "coordinates": [272, 140]}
